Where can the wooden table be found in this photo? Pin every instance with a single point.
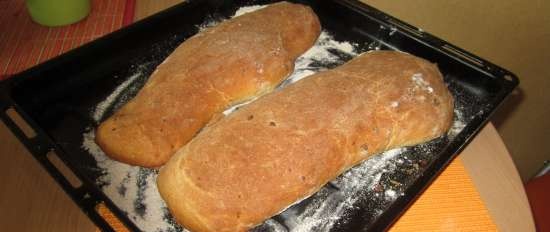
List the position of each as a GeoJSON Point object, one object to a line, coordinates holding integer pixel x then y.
{"type": "Point", "coordinates": [32, 201]}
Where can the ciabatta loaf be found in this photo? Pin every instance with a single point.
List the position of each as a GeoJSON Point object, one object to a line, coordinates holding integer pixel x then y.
{"type": "Point", "coordinates": [285, 146]}
{"type": "Point", "coordinates": [234, 61]}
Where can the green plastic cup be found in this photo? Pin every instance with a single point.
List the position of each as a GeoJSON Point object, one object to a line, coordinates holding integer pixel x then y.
{"type": "Point", "coordinates": [58, 12]}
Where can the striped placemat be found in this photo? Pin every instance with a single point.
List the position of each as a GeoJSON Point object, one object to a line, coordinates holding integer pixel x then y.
{"type": "Point", "coordinates": [451, 203]}
{"type": "Point", "coordinates": [24, 43]}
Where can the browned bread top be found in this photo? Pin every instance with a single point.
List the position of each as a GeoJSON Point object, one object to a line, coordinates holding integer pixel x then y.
{"type": "Point", "coordinates": [234, 61]}
{"type": "Point", "coordinates": [285, 146]}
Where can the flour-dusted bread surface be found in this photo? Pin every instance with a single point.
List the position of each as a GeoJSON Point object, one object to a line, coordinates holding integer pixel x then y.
{"type": "Point", "coordinates": [237, 60]}
{"type": "Point", "coordinates": [285, 146]}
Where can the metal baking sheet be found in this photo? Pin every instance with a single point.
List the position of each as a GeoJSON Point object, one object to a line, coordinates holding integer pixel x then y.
{"type": "Point", "coordinates": [65, 98]}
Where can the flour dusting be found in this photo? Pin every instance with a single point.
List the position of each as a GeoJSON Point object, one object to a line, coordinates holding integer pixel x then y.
{"type": "Point", "coordinates": [237, 106]}
{"type": "Point", "coordinates": [207, 24]}
{"type": "Point", "coordinates": [458, 124]}
{"type": "Point", "coordinates": [418, 79]}
{"type": "Point", "coordinates": [390, 194]}
{"type": "Point", "coordinates": [247, 9]}
{"type": "Point", "coordinates": [327, 52]}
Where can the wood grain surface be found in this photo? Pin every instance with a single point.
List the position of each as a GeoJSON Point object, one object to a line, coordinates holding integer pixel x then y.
{"type": "Point", "coordinates": [497, 180]}
{"type": "Point", "coordinates": [30, 200]}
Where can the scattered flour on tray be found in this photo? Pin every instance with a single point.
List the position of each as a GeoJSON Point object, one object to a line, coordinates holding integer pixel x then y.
{"type": "Point", "coordinates": [329, 207]}
{"type": "Point", "coordinates": [458, 124]}
{"type": "Point", "coordinates": [247, 9]}
{"type": "Point", "coordinates": [391, 194]}
{"type": "Point", "coordinates": [326, 51]}
{"type": "Point", "coordinates": [132, 189]}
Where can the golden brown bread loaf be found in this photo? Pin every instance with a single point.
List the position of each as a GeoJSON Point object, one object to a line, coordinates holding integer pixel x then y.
{"type": "Point", "coordinates": [235, 61]}
{"type": "Point", "coordinates": [285, 146]}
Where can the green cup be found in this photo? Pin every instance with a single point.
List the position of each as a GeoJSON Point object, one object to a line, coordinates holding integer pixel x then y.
{"type": "Point", "coordinates": [58, 12]}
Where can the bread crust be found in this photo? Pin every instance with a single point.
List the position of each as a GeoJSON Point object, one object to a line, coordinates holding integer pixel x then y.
{"type": "Point", "coordinates": [237, 60]}
{"type": "Point", "coordinates": [285, 146]}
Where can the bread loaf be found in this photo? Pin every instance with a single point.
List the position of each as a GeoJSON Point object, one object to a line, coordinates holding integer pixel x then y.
{"type": "Point", "coordinates": [237, 60]}
{"type": "Point", "coordinates": [285, 146]}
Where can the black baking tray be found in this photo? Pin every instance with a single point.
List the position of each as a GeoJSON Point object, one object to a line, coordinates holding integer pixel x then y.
{"type": "Point", "coordinates": [55, 98]}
